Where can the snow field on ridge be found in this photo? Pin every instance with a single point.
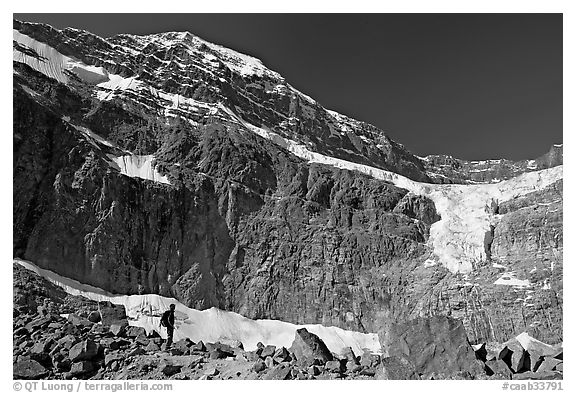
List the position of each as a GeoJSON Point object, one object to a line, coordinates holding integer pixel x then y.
{"type": "Point", "coordinates": [212, 324]}
{"type": "Point", "coordinates": [52, 63]}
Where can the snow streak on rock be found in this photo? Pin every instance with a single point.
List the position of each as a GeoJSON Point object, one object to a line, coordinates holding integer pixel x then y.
{"type": "Point", "coordinates": [52, 63]}
{"type": "Point", "coordinates": [213, 324]}
{"type": "Point", "coordinates": [138, 166]}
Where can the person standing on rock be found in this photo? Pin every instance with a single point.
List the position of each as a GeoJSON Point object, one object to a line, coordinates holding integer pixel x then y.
{"type": "Point", "coordinates": [167, 321]}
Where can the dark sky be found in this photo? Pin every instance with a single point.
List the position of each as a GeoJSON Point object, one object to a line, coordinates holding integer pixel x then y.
{"type": "Point", "coordinates": [476, 86]}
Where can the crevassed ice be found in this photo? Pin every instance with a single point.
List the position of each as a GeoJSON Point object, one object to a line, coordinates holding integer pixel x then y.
{"type": "Point", "coordinates": [458, 239]}
{"type": "Point", "coordinates": [212, 324]}
{"type": "Point", "coordinates": [52, 63]}
{"type": "Point", "coordinates": [138, 166]}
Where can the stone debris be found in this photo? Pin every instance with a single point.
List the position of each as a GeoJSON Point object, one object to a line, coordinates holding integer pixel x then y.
{"type": "Point", "coordinates": [50, 346]}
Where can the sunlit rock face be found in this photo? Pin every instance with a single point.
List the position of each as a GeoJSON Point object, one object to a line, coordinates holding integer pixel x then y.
{"type": "Point", "coordinates": [166, 164]}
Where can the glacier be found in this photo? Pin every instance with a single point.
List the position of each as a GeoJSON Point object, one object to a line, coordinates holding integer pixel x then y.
{"type": "Point", "coordinates": [457, 240]}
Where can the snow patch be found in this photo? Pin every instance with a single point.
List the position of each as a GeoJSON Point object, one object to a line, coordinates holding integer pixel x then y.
{"type": "Point", "coordinates": [213, 324]}
{"type": "Point", "coordinates": [116, 83]}
{"type": "Point", "coordinates": [510, 280]}
{"type": "Point", "coordinates": [138, 166]}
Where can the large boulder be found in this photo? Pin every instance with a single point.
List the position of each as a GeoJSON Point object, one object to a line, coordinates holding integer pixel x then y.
{"type": "Point", "coordinates": [81, 368]}
{"type": "Point", "coordinates": [497, 369]}
{"type": "Point", "coordinates": [42, 346]}
{"type": "Point", "coordinates": [536, 350]}
{"type": "Point", "coordinates": [84, 350]}
{"type": "Point", "coordinates": [548, 364]}
{"type": "Point", "coordinates": [232, 343]}
{"type": "Point", "coordinates": [68, 341]}
{"type": "Point", "coordinates": [435, 344]}
{"type": "Point", "coordinates": [218, 353]}
{"type": "Point", "coordinates": [514, 355]}
{"type": "Point", "coordinates": [113, 314]}
{"type": "Point", "coordinates": [79, 321]}
{"type": "Point", "coordinates": [183, 346]}
{"type": "Point", "coordinates": [170, 369]}
{"type": "Point", "coordinates": [37, 323]}
{"type": "Point", "coordinates": [307, 347]}
{"type": "Point", "coordinates": [396, 368]}
{"type": "Point", "coordinates": [135, 331]}
{"type": "Point", "coordinates": [29, 369]}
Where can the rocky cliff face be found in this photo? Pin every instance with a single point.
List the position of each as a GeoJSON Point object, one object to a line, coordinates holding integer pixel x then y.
{"type": "Point", "coordinates": [447, 169]}
{"type": "Point", "coordinates": [180, 75]}
{"type": "Point", "coordinates": [139, 167]}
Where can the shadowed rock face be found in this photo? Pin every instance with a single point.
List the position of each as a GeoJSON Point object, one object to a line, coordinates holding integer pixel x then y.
{"type": "Point", "coordinates": [244, 225]}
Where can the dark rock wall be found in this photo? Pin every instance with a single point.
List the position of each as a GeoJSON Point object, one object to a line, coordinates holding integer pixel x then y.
{"type": "Point", "coordinates": [248, 227]}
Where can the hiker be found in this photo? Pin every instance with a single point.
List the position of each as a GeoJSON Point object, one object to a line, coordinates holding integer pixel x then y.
{"type": "Point", "coordinates": [167, 321]}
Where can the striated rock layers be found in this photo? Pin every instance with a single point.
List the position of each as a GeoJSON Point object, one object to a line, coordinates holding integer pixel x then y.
{"type": "Point", "coordinates": [232, 220]}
